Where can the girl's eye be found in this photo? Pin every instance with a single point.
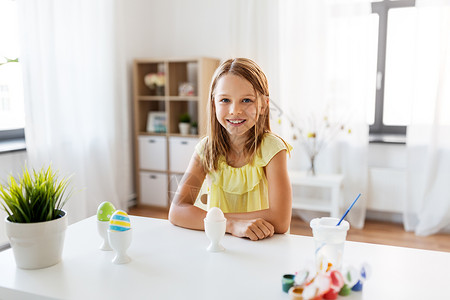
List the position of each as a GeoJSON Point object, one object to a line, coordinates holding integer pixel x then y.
{"type": "Point", "coordinates": [225, 100]}
{"type": "Point", "coordinates": [246, 100]}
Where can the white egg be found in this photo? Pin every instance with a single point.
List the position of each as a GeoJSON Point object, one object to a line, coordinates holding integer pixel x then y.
{"type": "Point", "coordinates": [215, 214]}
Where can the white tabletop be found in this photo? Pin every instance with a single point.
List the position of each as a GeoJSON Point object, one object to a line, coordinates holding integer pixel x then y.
{"type": "Point", "coordinates": [169, 262]}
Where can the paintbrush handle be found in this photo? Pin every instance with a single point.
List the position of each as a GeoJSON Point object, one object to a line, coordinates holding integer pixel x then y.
{"type": "Point", "coordinates": [348, 209]}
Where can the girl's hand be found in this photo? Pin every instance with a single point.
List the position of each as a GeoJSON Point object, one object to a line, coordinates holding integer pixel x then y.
{"type": "Point", "coordinates": [256, 229]}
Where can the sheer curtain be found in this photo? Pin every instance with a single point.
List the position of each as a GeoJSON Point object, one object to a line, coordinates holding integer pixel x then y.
{"type": "Point", "coordinates": [76, 112]}
{"type": "Point", "coordinates": [428, 138]}
{"type": "Point", "coordinates": [324, 53]}
{"type": "Point", "coordinates": [254, 32]}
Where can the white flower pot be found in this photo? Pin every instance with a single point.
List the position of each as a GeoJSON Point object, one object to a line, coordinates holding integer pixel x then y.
{"type": "Point", "coordinates": [184, 127]}
{"type": "Point", "coordinates": [37, 245]}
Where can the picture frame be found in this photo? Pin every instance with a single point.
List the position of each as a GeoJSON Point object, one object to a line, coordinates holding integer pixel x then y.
{"type": "Point", "coordinates": [156, 122]}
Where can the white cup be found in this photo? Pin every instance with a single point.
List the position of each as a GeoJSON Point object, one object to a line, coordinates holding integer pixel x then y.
{"type": "Point", "coordinates": [120, 241]}
{"type": "Point", "coordinates": [102, 227]}
{"type": "Point", "coordinates": [215, 232]}
{"type": "Point", "coordinates": [329, 242]}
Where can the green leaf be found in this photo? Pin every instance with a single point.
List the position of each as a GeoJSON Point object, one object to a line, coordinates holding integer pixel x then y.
{"type": "Point", "coordinates": [36, 196]}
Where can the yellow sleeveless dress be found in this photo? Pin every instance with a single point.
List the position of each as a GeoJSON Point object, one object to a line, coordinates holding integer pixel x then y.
{"type": "Point", "coordinates": [243, 189]}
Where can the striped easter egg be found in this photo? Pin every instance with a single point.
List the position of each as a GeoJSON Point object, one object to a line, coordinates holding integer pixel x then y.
{"type": "Point", "coordinates": [120, 221]}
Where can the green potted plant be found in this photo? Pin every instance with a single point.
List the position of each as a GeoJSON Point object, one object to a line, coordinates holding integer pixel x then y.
{"type": "Point", "coordinates": [185, 123]}
{"type": "Point", "coordinates": [36, 222]}
{"type": "Point", "coordinates": [194, 128]}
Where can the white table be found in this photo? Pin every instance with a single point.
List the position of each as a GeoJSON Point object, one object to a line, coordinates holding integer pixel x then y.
{"type": "Point", "coordinates": [172, 263]}
{"type": "Point", "coordinates": [333, 182]}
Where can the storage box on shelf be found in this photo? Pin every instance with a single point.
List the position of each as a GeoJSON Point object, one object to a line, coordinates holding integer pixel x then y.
{"type": "Point", "coordinates": [162, 153]}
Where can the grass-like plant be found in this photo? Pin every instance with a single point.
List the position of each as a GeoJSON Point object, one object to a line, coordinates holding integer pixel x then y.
{"type": "Point", "coordinates": [185, 118]}
{"type": "Point", "coordinates": [36, 197]}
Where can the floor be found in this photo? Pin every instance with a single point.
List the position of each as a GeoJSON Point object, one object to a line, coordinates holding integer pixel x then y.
{"type": "Point", "coordinates": [375, 232]}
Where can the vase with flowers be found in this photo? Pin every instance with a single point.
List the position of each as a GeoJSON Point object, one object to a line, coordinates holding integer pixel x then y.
{"type": "Point", "coordinates": [314, 133]}
{"type": "Point", "coordinates": [156, 82]}
{"type": "Point", "coordinates": [317, 136]}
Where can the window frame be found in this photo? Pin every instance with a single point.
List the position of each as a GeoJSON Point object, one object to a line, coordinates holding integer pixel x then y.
{"type": "Point", "coordinates": [382, 8]}
{"type": "Point", "coordinates": [12, 134]}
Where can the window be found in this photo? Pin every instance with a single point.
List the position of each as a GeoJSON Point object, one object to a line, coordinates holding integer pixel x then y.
{"type": "Point", "coordinates": [394, 66]}
{"type": "Point", "coordinates": [12, 119]}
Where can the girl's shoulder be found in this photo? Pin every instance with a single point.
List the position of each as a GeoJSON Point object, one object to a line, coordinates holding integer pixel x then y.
{"type": "Point", "coordinates": [270, 146]}
{"type": "Point", "coordinates": [200, 147]}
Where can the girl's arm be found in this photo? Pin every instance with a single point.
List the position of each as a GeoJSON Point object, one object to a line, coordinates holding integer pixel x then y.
{"type": "Point", "coordinates": [254, 225]}
{"type": "Point", "coordinates": [182, 211]}
{"type": "Point", "coordinates": [280, 204]}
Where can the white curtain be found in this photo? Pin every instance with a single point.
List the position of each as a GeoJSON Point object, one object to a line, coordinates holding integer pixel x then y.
{"type": "Point", "coordinates": [254, 32]}
{"type": "Point", "coordinates": [325, 49]}
{"type": "Point", "coordinates": [428, 138]}
{"type": "Point", "coordinates": [76, 109]}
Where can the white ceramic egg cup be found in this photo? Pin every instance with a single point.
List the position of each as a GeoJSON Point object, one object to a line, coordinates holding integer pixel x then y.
{"type": "Point", "coordinates": [102, 227]}
{"type": "Point", "coordinates": [120, 241]}
{"type": "Point", "coordinates": [215, 232]}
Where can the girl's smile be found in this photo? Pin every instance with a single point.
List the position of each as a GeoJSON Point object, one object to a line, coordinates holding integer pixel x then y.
{"type": "Point", "coordinates": [236, 122]}
{"type": "Point", "coordinates": [236, 104]}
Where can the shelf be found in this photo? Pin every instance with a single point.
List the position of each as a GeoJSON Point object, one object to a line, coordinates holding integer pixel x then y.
{"type": "Point", "coordinates": [144, 108]}
{"type": "Point", "coordinates": [162, 155]}
{"type": "Point", "coordinates": [177, 108]}
{"type": "Point", "coordinates": [151, 133]}
{"type": "Point", "coordinates": [144, 69]}
{"type": "Point", "coordinates": [183, 98]}
{"type": "Point", "coordinates": [171, 134]}
{"type": "Point", "coordinates": [184, 135]}
{"type": "Point", "coordinates": [154, 171]}
{"type": "Point", "coordinates": [182, 72]}
{"type": "Point", "coordinates": [151, 98]}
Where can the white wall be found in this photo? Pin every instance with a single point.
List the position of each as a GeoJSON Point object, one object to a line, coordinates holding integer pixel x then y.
{"type": "Point", "coordinates": [176, 28]}
{"type": "Point", "coordinates": [10, 163]}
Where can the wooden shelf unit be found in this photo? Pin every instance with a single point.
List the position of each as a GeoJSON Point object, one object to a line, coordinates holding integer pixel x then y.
{"type": "Point", "coordinates": [162, 157]}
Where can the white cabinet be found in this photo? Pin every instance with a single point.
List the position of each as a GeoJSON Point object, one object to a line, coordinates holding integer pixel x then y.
{"type": "Point", "coordinates": [175, 180]}
{"type": "Point", "coordinates": [153, 188]}
{"type": "Point", "coordinates": [181, 150]}
{"type": "Point", "coordinates": [153, 153]}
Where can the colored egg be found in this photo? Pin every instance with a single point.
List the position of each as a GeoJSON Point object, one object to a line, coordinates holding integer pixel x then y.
{"type": "Point", "coordinates": [105, 211]}
{"type": "Point", "coordinates": [120, 221]}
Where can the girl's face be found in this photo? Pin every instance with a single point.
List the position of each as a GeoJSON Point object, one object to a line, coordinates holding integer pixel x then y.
{"type": "Point", "coordinates": [236, 104]}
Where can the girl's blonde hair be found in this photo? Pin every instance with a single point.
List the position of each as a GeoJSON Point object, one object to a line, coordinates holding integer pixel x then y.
{"type": "Point", "coordinates": [218, 143]}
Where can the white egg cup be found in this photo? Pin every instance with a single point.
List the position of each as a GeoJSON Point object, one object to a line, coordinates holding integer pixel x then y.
{"type": "Point", "coordinates": [215, 232]}
{"type": "Point", "coordinates": [102, 227]}
{"type": "Point", "coordinates": [120, 241]}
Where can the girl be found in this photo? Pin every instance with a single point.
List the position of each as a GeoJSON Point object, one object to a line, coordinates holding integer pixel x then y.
{"type": "Point", "coordinates": [244, 164]}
